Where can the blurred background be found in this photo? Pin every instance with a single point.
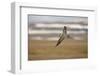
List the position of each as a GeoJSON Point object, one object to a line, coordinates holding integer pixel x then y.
{"type": "Point", "coordinates": [50, 27]}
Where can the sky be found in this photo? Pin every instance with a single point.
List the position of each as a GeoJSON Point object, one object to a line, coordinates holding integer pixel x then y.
{"type": "Point", "coordinates": [53, 34]}
{"type": "Point", "coordinates": [55, 19]}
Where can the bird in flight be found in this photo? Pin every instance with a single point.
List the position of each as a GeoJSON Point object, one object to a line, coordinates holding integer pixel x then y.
{"type": "Point", "coordinates": [63, 36]}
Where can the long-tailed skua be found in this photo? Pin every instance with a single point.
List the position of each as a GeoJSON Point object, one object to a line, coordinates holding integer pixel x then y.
{"type": "Point", "coordinates": [63, 36]}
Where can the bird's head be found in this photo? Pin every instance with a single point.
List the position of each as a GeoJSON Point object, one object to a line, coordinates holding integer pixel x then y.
{"type": "Point", "coordinates": [65, 30]}
{"type": "Point", "coordinates": [65, 27]}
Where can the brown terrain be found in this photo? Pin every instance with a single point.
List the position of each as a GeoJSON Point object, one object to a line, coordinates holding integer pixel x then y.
{"type": "Point", "coordinates": [46, 50]}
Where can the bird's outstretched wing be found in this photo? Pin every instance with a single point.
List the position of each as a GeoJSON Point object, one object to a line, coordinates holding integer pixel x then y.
{"type": "Point", "coordinates": [69, 37]}
{"type": "Point", "coordinates": [62, 37]}
{"type": "Point", "coordinates": [60, 40]}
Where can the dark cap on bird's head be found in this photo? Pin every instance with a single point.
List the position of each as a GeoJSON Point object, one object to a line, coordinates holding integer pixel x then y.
{"type": "Point", "coordinates": [65, 27]}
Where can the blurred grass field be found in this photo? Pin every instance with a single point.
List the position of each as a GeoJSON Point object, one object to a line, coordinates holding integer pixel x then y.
{"type": "Point", "coordinates": [46, 50]}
